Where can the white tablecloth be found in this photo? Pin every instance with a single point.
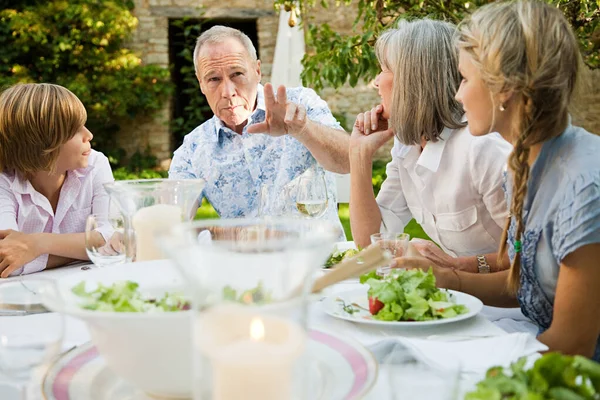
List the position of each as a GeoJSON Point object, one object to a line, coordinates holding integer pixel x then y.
{"type": "Point", "coordinates": [479, 326]}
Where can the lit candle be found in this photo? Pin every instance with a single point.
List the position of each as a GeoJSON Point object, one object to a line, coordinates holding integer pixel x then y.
{"type": "Point", "coordinates": [251, 357]}
{"type": "Point", "coordinates": [147, 222]}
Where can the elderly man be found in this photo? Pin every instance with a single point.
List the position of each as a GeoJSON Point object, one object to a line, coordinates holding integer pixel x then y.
{"type": "Point", "coordinates": [255, 138]}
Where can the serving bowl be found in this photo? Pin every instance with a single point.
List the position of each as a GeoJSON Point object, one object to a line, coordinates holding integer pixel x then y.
{"type": "Point", "coordinates": [150, 350]}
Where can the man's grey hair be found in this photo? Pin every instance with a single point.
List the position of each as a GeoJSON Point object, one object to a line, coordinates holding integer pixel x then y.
{"type": "Point", "coordinates": [424, 60]}
{"type": "Point", "coordinates": [217, 34]}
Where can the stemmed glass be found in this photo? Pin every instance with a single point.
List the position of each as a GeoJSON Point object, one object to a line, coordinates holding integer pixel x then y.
{"type": "Point", "coordinates": [311, 197]}
{"type": "Point", "coordinates": [24, 347]}
{"type": "Point", "coordinates": [273, 201]}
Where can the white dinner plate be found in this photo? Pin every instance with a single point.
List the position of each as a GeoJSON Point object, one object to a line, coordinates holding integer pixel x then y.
{"type": "Point", "coordinates": [341, 368]}
{"type": "Point", "coordinates": [334, 306]}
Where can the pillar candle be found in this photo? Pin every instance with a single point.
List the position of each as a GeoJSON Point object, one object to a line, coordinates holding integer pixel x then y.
{"type": "Point", "coordinates": [147, 222]}
{"type": "Point", "coordinates": [251, 356]}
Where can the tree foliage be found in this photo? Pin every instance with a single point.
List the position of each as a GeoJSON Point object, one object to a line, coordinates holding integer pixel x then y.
{"type": "Point", "coordinates": [333, 59]}
{"type": "Point", "coordinates": [79, 44]}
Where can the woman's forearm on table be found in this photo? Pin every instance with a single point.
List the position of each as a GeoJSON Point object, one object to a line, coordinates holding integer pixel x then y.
{"type": "Point", "coordinates": [491, 289]}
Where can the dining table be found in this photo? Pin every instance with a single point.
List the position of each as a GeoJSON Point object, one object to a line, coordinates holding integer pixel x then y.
{"type": "Point", "coordinates": [483, 325]}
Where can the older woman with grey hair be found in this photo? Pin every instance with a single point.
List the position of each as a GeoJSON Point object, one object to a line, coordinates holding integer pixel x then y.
{"type": "Point", "coordinates": [449, 181]}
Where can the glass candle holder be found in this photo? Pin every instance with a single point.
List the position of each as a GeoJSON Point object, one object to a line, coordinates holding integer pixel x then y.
{"type": "Point", "coordinates": [249, 282]}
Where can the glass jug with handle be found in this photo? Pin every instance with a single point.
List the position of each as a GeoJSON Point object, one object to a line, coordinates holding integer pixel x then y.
{"type": "Point", "coordinates": [150, 206]}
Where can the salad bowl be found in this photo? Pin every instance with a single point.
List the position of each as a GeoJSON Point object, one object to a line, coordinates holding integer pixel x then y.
{"type": "Point", "coordinates": [151, 350]}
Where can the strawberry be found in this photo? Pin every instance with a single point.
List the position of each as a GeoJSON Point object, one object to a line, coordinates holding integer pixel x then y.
{"type": "Point", "coordinates": [374, 305]}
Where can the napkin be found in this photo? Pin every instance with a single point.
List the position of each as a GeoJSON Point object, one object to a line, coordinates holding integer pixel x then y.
{"type": "Point", "coordinates": [476, 355]}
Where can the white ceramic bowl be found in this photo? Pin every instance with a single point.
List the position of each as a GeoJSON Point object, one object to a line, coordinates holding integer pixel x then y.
{"type": "Point", "coordinates": [150, 350]}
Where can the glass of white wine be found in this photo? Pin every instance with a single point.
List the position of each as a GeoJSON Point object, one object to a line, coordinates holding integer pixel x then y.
{"type": "Point", "coordinates": [311, 197]}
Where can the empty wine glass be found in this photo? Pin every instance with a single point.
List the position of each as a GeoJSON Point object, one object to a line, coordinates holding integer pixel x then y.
{"type": "Point", "coordinates": [311, 196]}
{"type": "Point", "coordinates": [24, 347]}
{"type": "Point", "coordinates": [273, 201]}
{"type": "Point", "coordinates": [105, 238]}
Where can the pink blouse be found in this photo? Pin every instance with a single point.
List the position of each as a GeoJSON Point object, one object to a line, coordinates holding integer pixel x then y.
{"type": "Point", "coordinates": [25, 210]}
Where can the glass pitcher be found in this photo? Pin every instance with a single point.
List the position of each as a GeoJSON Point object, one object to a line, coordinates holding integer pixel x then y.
{"type": "Point", "coordinates": [150, 206]}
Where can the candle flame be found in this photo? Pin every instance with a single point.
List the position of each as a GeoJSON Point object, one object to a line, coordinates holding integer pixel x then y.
{"type": "Point", "coordinates": [257, 329]}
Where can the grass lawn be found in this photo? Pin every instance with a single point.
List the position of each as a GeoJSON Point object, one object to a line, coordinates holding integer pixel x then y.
{"type": "Point", "coordinates": [413, 229]}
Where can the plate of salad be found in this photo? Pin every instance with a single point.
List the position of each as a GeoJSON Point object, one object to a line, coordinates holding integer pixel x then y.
{"type": "Point", "coordinates": [341, 251]}
{"type": "Point", "coordinates": [403, 298]}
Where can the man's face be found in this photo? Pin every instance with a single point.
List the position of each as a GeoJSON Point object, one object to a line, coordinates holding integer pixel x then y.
{"type": "Point", "coordinates": [228, 78]}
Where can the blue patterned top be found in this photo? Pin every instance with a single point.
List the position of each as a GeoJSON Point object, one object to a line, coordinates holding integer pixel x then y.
{"type": "Point", "coordinates": [560, 215]}
{"type": "Point", "coordinates": [235, 167]}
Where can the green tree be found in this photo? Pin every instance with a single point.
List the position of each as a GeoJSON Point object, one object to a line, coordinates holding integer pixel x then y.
{"type": "Point", "coordinates": [333, 59]}
{"type": "Point", "coordinates": [79, 44]}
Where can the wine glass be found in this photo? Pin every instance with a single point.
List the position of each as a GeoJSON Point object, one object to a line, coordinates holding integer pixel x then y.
{"type": "Point", "coordinates": [105, 238]}
{"type": "Point", "coordinates": [273, 200]}
{"type": "Point", "coordinates": [30, 337]}
{"type": "Point", "coordinates": [311, 196]}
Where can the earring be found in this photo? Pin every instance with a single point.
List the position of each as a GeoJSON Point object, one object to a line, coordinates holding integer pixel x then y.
{"type": "Point", "coordinates": [502, 107]}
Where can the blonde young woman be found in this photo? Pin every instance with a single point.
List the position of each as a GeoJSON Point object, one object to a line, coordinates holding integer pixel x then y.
{"type": "Point", "coordinates": [520, 63]}
{"type": "Point", "coordinates": [50, 178]}
{"type": "Point", "coordinates": [441, 175]}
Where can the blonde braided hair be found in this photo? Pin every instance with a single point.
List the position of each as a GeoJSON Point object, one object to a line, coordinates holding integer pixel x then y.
{"type": "Point", "coordinates": [525, 48]}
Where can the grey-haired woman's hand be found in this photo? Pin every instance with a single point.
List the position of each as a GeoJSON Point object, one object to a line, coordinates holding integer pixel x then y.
{"type": "Point", "coordinates": [372, 120]}
{"type": "Point", "coordinates": [366, 140]}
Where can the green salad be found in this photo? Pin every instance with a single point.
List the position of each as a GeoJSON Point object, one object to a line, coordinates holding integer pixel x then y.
{"type": "Point", "coordinates": [124, 296]}
{"type": "Point", "coordinates": [337, 256]}
{"type": "Point", "coordinates": [553, 377]}
{"type": "Point", "coordinates": [409, 295]}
